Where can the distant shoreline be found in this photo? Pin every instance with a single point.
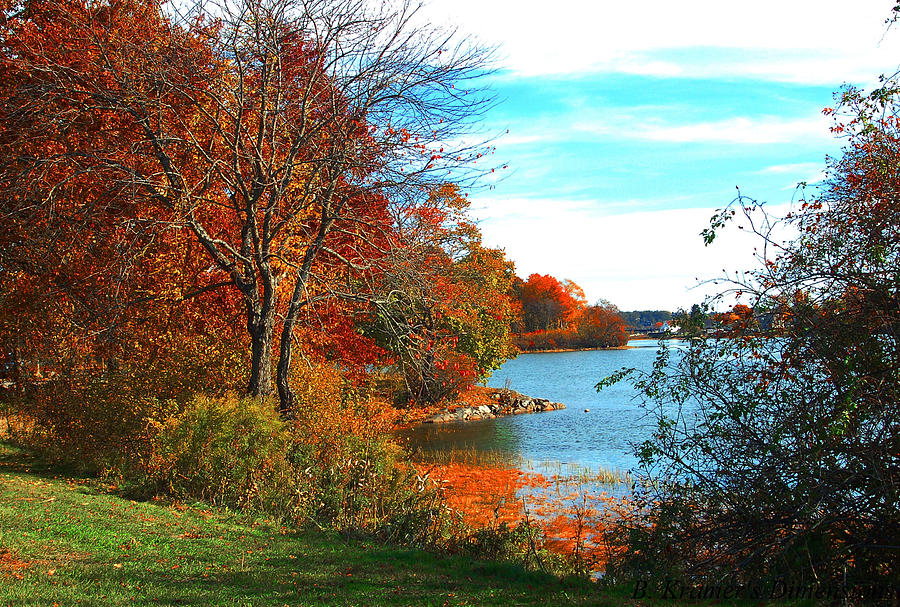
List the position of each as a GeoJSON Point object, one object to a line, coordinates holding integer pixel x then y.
{"type": "Point", "coordinates": [637, 337]}
{"type": "Point", "coordinates": [559, 350]}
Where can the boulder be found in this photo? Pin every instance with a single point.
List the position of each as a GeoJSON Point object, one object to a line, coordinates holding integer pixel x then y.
{"type": "Point", "coordinates": [505, 402]}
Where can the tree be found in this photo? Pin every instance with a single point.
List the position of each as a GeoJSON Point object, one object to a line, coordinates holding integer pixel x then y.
{"type": "Point", "coordinates": [645, 320]}
{"type": "Point", "coordinates": [692, 323]}
{"type": "Point", "coordinates": [548, 303]}
{"type": "Point", "coordinates": [739, 319]}
{"type": "Point", "coordinates": [446, 307]}
{"type": "Point", "coordinates": [483, 309]}
{"type": "Point", "coordinates": [601, 326]}
{"type": "Point", "coordinates": [778, 456]}
{"type": "Point", "coordinates": [286, 138]}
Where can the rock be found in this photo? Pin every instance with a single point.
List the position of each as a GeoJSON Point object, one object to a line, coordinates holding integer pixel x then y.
{"type": "Point", "coordinates": [505, 402]}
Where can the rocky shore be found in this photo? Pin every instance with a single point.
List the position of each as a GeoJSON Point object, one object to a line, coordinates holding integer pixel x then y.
{"type": "Point", "coordinates": [501, 403]}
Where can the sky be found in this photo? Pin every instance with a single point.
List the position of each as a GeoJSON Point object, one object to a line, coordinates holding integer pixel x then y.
{"type": "Point", "coordinates": [625, 125]}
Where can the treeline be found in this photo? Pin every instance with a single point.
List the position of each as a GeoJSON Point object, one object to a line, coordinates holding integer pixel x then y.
{"type": "Point", "coordinates": [555, 315]}
{"type": "Point", "coordinates": [646, 320]}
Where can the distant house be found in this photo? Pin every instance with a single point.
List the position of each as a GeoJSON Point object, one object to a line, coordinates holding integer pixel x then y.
{"type": "Point", "coordinates": [664, 328]}
{"type": "Point", "coordinates": [668, 327]}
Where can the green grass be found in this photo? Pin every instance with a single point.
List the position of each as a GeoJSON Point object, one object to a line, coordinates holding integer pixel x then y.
{"type": "Point", "coordinates": [74, 541]}
{"type": "Point", "coordinates": [69, 540]}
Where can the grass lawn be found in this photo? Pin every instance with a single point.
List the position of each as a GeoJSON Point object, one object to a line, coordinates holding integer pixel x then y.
{"type": "Point", "coordinates": [69, 541]}
{"type": "Point", "coordinates": [66, 540]}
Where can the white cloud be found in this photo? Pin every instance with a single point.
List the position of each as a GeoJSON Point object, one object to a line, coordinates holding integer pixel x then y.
{"type": "Point", "coordinates": [645, 124]}
{"type": "Point", "coordinates": [638, 260]}
{"type": "Point", "coordinates": [805, 172]}
{"type": "Point", "coordinates": [821, 41]}
{"type": "Point", "coordinates": [738, 130]}
{"type": "Point", "coordinates": [769, 129]}
{"type": "Point", "coordinates": [821, 67]}
{"type": "Point", "coordinates": [794, 168]}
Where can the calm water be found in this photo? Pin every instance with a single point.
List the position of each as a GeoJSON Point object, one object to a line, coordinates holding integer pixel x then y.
{"type": "Point", "coordinates": [602, 437]}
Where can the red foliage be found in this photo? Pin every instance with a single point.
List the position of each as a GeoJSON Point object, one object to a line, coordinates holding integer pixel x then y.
{"type": "Point", "coordinates": [555, 316]}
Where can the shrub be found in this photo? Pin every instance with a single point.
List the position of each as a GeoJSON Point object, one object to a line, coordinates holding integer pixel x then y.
{"type": "Point", "coordinates": [101, 417]}
{"type": "Point", "coordinates": [95, 425]}
{"type": "Point", "coordinates": [776, 455]}
{"type": "Point", "coordinates": [227, 450]}
{"type": "Point", "coordinates": [351, 476]}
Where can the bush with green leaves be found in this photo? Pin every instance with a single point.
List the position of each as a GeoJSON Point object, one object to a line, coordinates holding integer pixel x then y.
{"type": "Point", "coordinates": [227, 450]}
{"type": "Point", "coordinates": [238, 452]}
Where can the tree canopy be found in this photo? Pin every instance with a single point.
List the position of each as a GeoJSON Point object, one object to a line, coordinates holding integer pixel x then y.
{"type": "Point", "coordinates": [255, 158]}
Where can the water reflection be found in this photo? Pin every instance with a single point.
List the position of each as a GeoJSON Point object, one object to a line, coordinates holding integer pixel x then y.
{"type": "Point", "coordinates": [480, 435]}
{"type": "Point", "coordinates": [602, 437]}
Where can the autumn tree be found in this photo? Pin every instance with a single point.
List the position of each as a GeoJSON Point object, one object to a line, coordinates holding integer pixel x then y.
{"type": "Point", "coordinates": [446, 307]}
{"type": "Point", "coordinates": [548, 303]}
{"type": "Point", "coordinates": [283, 138]}
{"type": "Point", "coordinates": [601, 325]}
{"type": "Point", "coordinates": [739, 319]}
{"type": "Point", "coordinates": [555, 314]}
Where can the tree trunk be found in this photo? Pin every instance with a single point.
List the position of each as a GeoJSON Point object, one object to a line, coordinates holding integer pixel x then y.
{"type": "Point", "coordinates": [285, 394]}
{"type": "Point", "coordinates": [261, 346]}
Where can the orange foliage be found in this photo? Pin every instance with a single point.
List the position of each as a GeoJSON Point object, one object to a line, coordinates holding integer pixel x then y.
{"type": "Point", "coordinates": [739, 318]}
{"type": "Point", "coordinates": [548, 303]}
{"type": "Point", "coordinates": [573, 521]}
{"type": "Point", "coordinates": [555, 316]}
{"type": "Point", "coordinates": [327, 415]}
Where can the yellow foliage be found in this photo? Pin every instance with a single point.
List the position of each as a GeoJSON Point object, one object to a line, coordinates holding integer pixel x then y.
{"type": "Point", "coordinates": [329, 412]}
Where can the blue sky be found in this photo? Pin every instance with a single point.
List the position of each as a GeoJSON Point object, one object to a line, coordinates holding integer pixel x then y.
{"type": "Point", "coordinates": [630, 123]}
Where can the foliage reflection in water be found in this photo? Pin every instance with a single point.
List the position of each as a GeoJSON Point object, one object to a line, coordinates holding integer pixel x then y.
{"type": "Point", "coordinates": [567, 440]}
{"type": "Point", "coordinates": [566, 471]}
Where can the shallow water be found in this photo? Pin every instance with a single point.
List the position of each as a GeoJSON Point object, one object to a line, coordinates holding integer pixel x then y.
{"type": "Point", "coordinates": [567, 440]}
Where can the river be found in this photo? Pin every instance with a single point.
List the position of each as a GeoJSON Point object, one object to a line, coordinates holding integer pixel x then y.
{"type": "Point", "coordinates": [600, 438]}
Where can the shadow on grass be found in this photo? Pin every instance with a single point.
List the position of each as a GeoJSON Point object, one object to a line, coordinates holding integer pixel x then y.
{"type": "Point", "coordinates": [144, 553]}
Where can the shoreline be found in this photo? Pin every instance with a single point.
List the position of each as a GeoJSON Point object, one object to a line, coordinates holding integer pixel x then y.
{"type": "Point", "coordinates": [636, 337]}
{"type": "Point", "coordinates": [496, 402]}
{"type": "Point", "coordinates": [559, 350]}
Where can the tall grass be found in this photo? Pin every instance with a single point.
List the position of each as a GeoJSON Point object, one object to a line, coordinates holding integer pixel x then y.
{"type": "Point", "coordinates": [568, 471]}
